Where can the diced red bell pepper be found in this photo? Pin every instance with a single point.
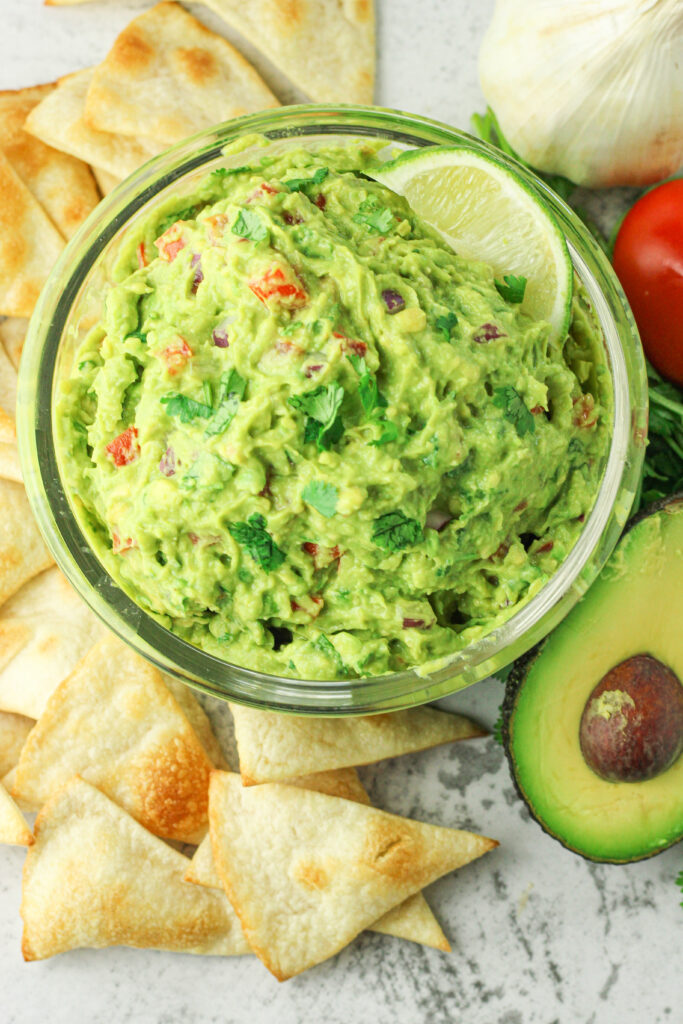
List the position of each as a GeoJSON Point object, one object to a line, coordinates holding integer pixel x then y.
{"type": "Point", "coordinates": [176, 355]}
{"type": "Point", "coordinates": [142, 255]}
{"type": "Point", "coordinates": [278, 289]}
{"type": "Point", "coordinates": [124, 449]}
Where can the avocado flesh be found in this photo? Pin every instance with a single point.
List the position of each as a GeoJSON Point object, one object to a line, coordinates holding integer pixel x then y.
{"type": "Point", "coordinates": [635, 607]}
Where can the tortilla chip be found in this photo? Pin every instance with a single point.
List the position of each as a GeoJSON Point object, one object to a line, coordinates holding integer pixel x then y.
{"type": "Point", "coordinates": [63, 186]}
{"type": "Point", "coordinates": [114, 721]}
{"type": "Point", "coordinates": [59, 122]}
{"type": "Point", "coordinates": [106, 182]}
{"type": "Point", "coordinates": [273, 747]}
{"type": "Point", "coordinates": [197, 718]}
{"type": "Point", "coordinates": [306, 872]}
{"type": "Point", "coordinates": [29, 244]}
{"type": "Point", "coordinates": [412, 919]}
{"type": "Point", "coordinates": [326, 49]}
{"type": "Point", "coordinates": [10, 468]}
{"type": "Point", "coordinates": [13, 732]}
{"type": "Point", "coordinates": [45, 630]}
{"type": "Point", "coordinates": [94, 877]}
{"type": "Point", "coordinates": [12, 334]}
{"type": "Point", "coordinates": [190, 78]}
{"type": "Point", "coordinates": [14, 830]}
{"type": "Point", "coordinates": [22, 551]}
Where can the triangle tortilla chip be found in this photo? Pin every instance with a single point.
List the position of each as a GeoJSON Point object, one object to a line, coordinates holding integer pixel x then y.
{"type": "Point", "coordinates": [274, 747]}
{"type": "Point", "coordinates": [62, 185]}
{"type": "Point", "coordinates": [106, 182]}
{"type": "Point", "coordinates": [10, 468]}
{"type": "Point", "coordinates": [14, 830]}
{"type": "Point", "coordinates": [13, 732]}
{"type": "Point", "coordinates": [328, 49]}
{"type": "Point", "coordinates": [114, 721]}
{"type": "Point", "coordinates": [45, 630]}
{"type": "Point", "coordinates": [94, 877]}
{"type": "Point", "coordinates": [12, 334]}
{"type": "Point", "coordinates": [190, 79]}
{"type": "Point", "coordinates": [22, 551]}
{"type": "Point", "coordinates": [58, 120]}
{"type": "Point", "coordinates": [306, 872]}
{"type": "Point", "coordinates": [29, 244]}
{"type": "Point", "coordinates": [412, 919]}
{"type": "Point", "coordinates": [198, 719]}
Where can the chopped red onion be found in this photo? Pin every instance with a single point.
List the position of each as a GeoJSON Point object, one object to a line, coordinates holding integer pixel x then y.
{"type": "Point", "coordinates": [292, 218]}
{"type": "Point", "coordinates": [168, 462]}
{"type": "Point", "coordinates": [437, 519]}
{"type": "Point", "coordinates": [393, 300]}
{"type": "Point", "coordinates": [488, 332]}
{"type": "Point", "coordinates": [320, 201]}
{"type": "Point", "coordinates": [196, 263]}
{"type": "Point", "coordinates": [220, 338]}
{"type": "Point", "coordinates": [415, 624]}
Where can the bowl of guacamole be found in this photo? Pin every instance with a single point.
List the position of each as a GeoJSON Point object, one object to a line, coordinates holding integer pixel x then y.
{"type": "Point", "coordinates": [300, 451]}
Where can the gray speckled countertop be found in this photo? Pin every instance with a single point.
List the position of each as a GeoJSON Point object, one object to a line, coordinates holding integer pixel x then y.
{"type": "Point", "coordinates": [539, 936]}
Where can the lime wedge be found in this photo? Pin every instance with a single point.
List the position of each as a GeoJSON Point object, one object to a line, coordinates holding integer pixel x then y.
{"type": "Point", "coordinates": [486, 213]}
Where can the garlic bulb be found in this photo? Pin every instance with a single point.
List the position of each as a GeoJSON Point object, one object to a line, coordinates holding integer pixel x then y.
{"type": "Point", "coordinates": [591, 89]}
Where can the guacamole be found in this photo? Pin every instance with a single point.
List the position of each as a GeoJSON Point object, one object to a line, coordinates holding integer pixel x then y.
{"type": "Point", "coordinates": [311, 439]}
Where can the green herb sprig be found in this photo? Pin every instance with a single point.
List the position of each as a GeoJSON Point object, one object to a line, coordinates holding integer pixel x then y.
{"type": "Point", "coordinates": [253, 536]}
{"type": "Point", "coordinates": [514, 409]}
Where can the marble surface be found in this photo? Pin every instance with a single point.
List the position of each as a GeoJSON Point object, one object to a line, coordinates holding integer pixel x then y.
{"type": "Point", "coordinates": [539, 936]}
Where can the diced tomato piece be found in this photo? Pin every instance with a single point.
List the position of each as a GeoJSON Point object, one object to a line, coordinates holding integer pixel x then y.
{"type": "Point", "coordinates": [216, 225]}
{"type": "Point", "coordinates": [278, 289]}
{"type": "Point", "coordinates": [120, 546]}
{"type": "Point", "coordinates": [287, 347]}
{"type": "Point", "coordinates": [548, 546]}
{"type": "Point", "coordinates": [320, 201]}
{"type": "Point", "coordinates": [176, 355]}
{"type": "Point", "coordinates": [124, 449]}
{"type": "Point", "coordinates": [310, 548]}
{"type": "Point", "coordinates": [584, 408]}
{"type": "Point", "coordinates": [311, 605]}
{"type": "Point", "coordinates": [322, 556]}
{"type": "Point", "coordinates": [522, 505]}
{"type": "Point", "coordinates": [500, 552]}
{"type": "Point", "coordinates": [536, 410]}
{"type": "Point", "coordinates": [171, 242]}
{"type": "Point", "coordinates": [359, 348]}
{"type": "Point", "coordinates": [261, 190]}
{"type": "Point", "coordinates": [142, 255]}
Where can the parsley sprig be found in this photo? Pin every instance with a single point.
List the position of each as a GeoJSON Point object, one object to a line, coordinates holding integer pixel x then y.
{"type": "Point", "coordinates": [253, 536]}
{"type": "Point", "coordinates": [395, 531]}
{"type": "Point", "coordinates": [514, 409]}
{"type": "Point", "coordinates": [321, 406]}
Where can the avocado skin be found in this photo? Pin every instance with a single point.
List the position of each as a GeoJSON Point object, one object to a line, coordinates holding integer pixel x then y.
{"type": "Point", "coordinates": [516, 680]}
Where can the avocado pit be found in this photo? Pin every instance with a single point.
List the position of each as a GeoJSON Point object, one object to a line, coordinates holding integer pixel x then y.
{"type": "Point", "coordinates": [631, 729]}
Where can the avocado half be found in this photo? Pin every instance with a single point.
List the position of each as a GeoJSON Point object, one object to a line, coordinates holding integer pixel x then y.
{"type": "Point", "coordinates": [635, 608]}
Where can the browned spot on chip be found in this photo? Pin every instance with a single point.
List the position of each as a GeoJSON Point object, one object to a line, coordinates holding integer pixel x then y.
{"type": "Point", "coordinates": [312, 875]}
{"type": "Point", "coordinates": [132, 51]}
{"type": "Point", "coordinates": [198, 64]}
{"type": "Point", "coordinates": [390, 848]}
{"type": "Point", "coordinates": [173, 789]}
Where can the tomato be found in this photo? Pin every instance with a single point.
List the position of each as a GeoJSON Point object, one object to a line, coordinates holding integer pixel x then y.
{"type": "Point", "coordinates": [648, 259]}
{"type": "Point", "coordinates": [124, 449]}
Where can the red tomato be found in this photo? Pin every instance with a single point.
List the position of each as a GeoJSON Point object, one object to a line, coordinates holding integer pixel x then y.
{"type": "Point", "coordinates": [648, 259]}
{"type": "Point", "coordinates": [124, 449]}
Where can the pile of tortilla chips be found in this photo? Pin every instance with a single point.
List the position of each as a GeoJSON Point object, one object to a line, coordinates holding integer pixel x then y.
{"type": "Point", "coordinates": [291, 861]}
{"type": "Point", "coordinates": [121, 762]}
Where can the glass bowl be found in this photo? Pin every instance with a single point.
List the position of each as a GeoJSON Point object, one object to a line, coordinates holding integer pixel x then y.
{"type": "Point", "coordinates": [70, 302]}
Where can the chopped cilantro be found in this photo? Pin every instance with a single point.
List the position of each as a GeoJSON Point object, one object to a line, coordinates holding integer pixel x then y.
{"type": "Point", "coordinates": [321, 406]}
{"type": "Point", "coordinates": [290, 328]}
{"type": "Point", "coordinates": [249, 225]}
{"type": "Point", "coordinates": [511, 402]}
{"type": "Point", "coordinates": [186, 409]}
{"type": "Point", "coordinates": [394, 531]}
{"type": "Point", "coordinates": [226, 172]}
{"type": "Point", "coordinates": [80, 427]}
{"type": "Point", "coordinates": [86, 364]}
{"type": "Point", "coordinates": [170, 219]}
{"type": "Point", "coordinates": [244, 576]}
{"type": "Point", "coordinates": [142, 335]}
{"type": "Point", "coordinates": [253, 536]}
{"type": "Point", "coordinates": [327, 648]}
{"type": "Point", "coordinates": [373, 402]}
{"type": "Point", "coordinates": [321, 496]}
{"type": "Point", "coordinates": [230, 393]}
{"type": "Point", "coordinates": [375, 217]}
{"type": "Point", "coordinates": [390, 432]}
{"type": "Point", "coordinates": [513, 289]}
{"type": "Point", "coordinates": [298, 184]}
{"type": "Point", "coordinates": [445, 324]}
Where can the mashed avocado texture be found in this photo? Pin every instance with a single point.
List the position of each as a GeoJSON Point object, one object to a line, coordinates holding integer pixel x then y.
{"type": "Point", "coordinates": [311, 439]}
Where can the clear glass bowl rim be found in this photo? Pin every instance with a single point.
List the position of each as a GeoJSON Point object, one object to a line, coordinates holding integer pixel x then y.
{"type": "Point", "coordinates": [221, 679]}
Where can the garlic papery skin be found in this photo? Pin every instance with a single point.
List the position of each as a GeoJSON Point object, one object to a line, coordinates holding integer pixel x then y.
{"type": "Point", "coordinates": [590, 89]}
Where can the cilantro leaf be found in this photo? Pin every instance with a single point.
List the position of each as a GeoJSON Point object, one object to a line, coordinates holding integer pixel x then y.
{"type": "Point", "coordinates": [226, 172]}
{"type": "Point", "coordinates": [142, 335]}
{"type": "Point", "coordinates": [394, 531]}
{"type": "Point", "coordinates": [376, 218]}
{"type": "Point", "coordinates": [253, 536]}
{"type": "Point", "coordinates": [298, 184]}
{"type": "Point", "coordinates": [170, 219]}
{"type": "Point", "coordinates": [321, 496]}
{"type": "Point", "coordinates": [248, 225]}
{"type": "Point", "coordinates": [230, 393]}
{"type": "Point", "coordinates": [513, 289]}
{"type": "Point", "coordinates": [324, 425]}
{"type": "Point", "coordinates": [445, 324]}
{"type": "Point", "coordinates": [186, 409]}
{"type": "Point", "coordinates": [390, 432]}
{"type": "Point", "coordinates": [358, 363]}
{"type": "Point", "coordinates": [511, 402]}
{"type": "Point", "coordinates": [327, 648]}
